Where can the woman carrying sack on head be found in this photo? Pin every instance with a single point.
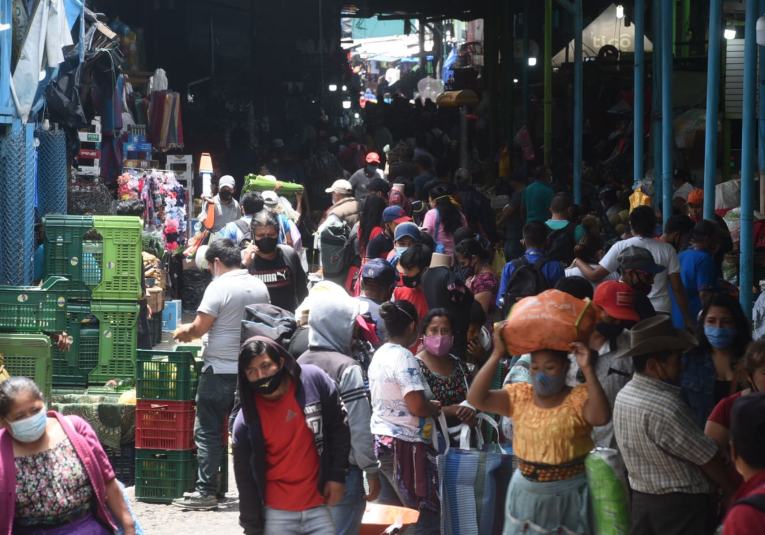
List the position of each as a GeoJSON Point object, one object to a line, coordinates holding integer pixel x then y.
{"type": "Point", "coordinates": [552, 426]}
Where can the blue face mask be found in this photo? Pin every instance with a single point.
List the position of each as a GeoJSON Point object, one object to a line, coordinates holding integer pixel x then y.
{"type": "Point", "coordinates": [30, 429]}
{"type": "Point", "coordinates": [400, 251]}
{"type": "Point", "coordinates": [547, 385]}
{"type": "Point", "coordinates": [719, 337]}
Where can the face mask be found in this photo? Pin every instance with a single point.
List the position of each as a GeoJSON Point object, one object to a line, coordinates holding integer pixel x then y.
{"type": "Point", "coordinates": [268, 385]}
{"type": "Point", "coordinates": [609, 330]}
{"type": "Point", "coordinates": [224, 195]}
{"type": "Point", "coordinates": [371, 168]}
{"type": "Point", "coordinates": [667, 379]}
{"type": "Point", "coordinates": [719, 337]}
{"type": "Point", "coordinates": [438, 345]}
{"type": "Point", "coordinates": [30, 429]}
{"type": "Point", "coordinates": [467, 271]}
{"type": "Point", "coordinates": [640, 286]}
{"type": "Point", "coordinates": [267, 245]}
{"type": "Point", "coordinates": [411, 282]}
{"type": "Point", "coordinates": [547, 385]}
{"type": "Point", "coordinates": [400, 251]}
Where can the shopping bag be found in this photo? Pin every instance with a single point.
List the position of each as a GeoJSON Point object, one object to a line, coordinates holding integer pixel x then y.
{"type": "Point", "coordinates": [638, 198]}
{"type": "Point", "coordinates": [609, 491]}
{"type": "Point", "coordinates": [498, 263]}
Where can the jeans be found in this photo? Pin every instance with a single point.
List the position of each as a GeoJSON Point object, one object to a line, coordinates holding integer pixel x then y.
{"type": "Point", "coordinates": [316, 521]}
{"type": "Point", "coordinates": [348, 513]}
{"type": "Point", "coordinates": [214, 398]}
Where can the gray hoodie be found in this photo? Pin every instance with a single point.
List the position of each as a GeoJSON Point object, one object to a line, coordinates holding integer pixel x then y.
{"type": "Point", "coordinates": [331, 321]}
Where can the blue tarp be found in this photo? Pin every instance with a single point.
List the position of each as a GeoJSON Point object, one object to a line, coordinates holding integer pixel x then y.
{"type": "Point", "coordinates": [451, 59]}
{"type": "Point", "coordinates": [73, 10]}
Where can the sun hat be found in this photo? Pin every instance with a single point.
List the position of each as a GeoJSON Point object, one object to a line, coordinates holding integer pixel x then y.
{"type": "Point", "coordinates": [655, 335]}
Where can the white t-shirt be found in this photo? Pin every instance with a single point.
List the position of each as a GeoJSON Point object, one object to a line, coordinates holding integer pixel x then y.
{"type": "Point", "coordinates": [225, 299]}
{"type": "Point", "coordinates": [575, 272]}
{"type": "Point", "coordinates": [393, 373]}
{"type": "Point", "coordinates": [683, 191]}
{"type": "Point", "coordinates": [360, 181]}
{"type": "Point", "coordinates": [663, 254]}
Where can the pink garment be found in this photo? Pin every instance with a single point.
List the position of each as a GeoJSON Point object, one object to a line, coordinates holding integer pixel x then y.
{"type": "Point", "coordinates": [88, 449]}
{"type": "Point", "coordinates": [443, 237]}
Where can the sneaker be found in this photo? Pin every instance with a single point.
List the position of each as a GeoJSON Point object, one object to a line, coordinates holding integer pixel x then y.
{"type": "Point", "coordinates": [197, 501]}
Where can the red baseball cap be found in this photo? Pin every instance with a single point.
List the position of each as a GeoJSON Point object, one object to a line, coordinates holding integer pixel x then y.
{"type": "Point", "coordinates": [373, 157]}
{"type": "Point", "coordinates": [617, 299]}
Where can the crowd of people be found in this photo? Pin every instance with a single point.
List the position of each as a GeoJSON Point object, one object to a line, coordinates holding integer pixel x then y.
{"type": "Point", "coordinates": [338, 382]}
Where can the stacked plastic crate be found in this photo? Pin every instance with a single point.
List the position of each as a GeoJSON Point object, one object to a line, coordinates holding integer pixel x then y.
{"type": "Point", "coordinates": [166, 456]}
{"type": "Point", "coordinates": [100, 256]}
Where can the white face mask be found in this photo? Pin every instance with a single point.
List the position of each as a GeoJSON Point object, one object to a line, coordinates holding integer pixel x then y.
{"type": "Point", "coordinates": [30, 429]}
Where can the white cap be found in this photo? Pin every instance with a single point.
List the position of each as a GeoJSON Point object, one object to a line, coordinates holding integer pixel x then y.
{"type": "Point", "coordinates": [270, 198]}
{"type": "Point", "coordinates": [227, 181]}
{"type": "Point", "coordinates": [340, 186]}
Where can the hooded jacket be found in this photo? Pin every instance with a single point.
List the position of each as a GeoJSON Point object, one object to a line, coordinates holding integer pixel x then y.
{"type": "Point", "coordinates": [324, 415]}
{"type": "Point", "coordinates": [329, 347]}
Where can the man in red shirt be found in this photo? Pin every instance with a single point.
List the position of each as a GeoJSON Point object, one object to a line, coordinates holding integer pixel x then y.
{"type": "Point", "coordinates": [747, 513]}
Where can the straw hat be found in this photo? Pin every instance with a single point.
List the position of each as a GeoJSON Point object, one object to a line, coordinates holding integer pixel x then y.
{"type": "Point", "coordinates": [655, 335]}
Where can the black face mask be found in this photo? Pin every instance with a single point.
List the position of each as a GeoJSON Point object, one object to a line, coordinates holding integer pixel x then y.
{"type": "Point", "coordinates": [411, 282]}
{"type": "Point", "coordinates": [267, 245]}
{"type": "Point", "coordinates": [224, 195]}
{"type": "Point", "coordinates": [268, 385]}
{"type": "Point", "coordinates": [609, 330]}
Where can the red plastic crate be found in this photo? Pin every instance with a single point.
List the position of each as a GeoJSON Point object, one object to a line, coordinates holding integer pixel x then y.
{"type": "Point", "coordinates": [164, 425]}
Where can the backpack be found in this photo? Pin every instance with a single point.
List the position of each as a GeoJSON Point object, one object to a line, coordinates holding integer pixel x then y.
{"type": "Point", "coordinates": [246, 240]}
{"type": "Point", "coordinates": [561, 243]}
{"type": "Point", "coordinates": [269, 321]}
{"type": "Point", "coordinates": [337, 248]}
{"type": "Point", "coordinates": [527, 280]}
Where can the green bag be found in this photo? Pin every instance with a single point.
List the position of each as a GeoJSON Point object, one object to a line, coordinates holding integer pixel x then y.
{"type": "Point", "coordinates": [283, 189]}
{"type": "Point", "coordinates": [609, 492]}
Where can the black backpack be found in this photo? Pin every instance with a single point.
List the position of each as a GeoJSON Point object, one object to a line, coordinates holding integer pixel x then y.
{"type": "Point", "coordinates": [244, 226]}
{"type": "Point", "coordinates": [561, 243]}
{"type": "Point", "coordinates": [527, 280]}
{"type": "Point", "coordinates": [337, 249]}
{"type": "Point", "coordinates": [269, 321]}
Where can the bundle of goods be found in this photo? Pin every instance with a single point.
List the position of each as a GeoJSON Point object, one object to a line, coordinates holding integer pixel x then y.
{"type": "Point", "coordinates": [283, 189]}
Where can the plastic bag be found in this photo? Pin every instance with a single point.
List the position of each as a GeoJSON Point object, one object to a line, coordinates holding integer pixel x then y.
{"type": "Point", "coordinates": [609, 491]}
{"type": "Point", "coordinates": [550, 320]}
{"type": "Point", "coordinates": [638, 198]}
{"type": "Point", "coordinates": [498, 263]}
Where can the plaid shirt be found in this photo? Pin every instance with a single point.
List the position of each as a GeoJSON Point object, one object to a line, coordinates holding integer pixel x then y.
{"type": "Point", "coordinates": [660, 439]}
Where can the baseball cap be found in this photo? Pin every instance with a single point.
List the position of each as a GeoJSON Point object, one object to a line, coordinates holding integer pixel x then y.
{"type": "Point", "coordinates": [395, 214]}
{"type": "Point", "coordinates": [696, 197]}
{"type": "Point", "coordinates": [407, 229]}
{"type": "Point", "coordinates": [270, 198]}
{"type": "Point", "coordinates": [379, 272]}
{"type": "Point", "coordinates": [633, 257]}
{"type": "Point", "coordinates": [373, 157]}
{"type": "Point", "coordinates": [379, 184]}
{"type": "Point", "coordinates": [617, 299]}
{"type": "Point", "coordinates": [341, 186]}
{"type": "Point", "coordinates": [226, 182]}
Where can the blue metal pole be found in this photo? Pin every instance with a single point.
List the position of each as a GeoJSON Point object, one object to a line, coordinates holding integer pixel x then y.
{"type": "Point", "coordinates": [81, 44]}
{"type": "Point", "coordinates": [668, 139]}
{"type": "Point", "coordinates": [748, 141]}
{"type": "Point", "coordinates": [761, 117]}
{"type": "Point", "coordinates": [578, 101]}
{"type": "Point", "coordinates": [5, 56]}
{"type": "Point", "coordinates": [639, 125]}
{"type": "Point", "coordinates": [525, 77]}
{"type": "Point", "coordinates": [713, 104]}
{"type": "Point", "coordinates": [656, 128]}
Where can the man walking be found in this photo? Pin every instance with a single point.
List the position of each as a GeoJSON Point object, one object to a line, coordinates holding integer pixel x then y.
{"type": "Point", "coordinates": [226, 208]}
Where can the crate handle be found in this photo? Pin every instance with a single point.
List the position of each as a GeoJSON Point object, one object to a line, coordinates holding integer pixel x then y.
{"type": "Point", "coordinates": [159, 456]}
{"type": "Point", "coordinates": [163, 407]}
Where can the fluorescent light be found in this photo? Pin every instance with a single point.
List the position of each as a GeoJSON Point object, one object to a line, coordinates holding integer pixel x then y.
{"type": "Point", "coordinates": [356, 115]}
{"type": "Point", "coordinates": [333, 87]}
{"type": "Point", "coordinates": [532, 62]}
{"type": "Point", "coordinates": [346, 104]}
{"type": "Point", "coordinates": [730, 32]}
{"type": "Point", "coordinates": [345, 88]}
{"type": "Point", "coordinates": [620, 11]}
{"type": "Point", "coordinates": [515, 80]}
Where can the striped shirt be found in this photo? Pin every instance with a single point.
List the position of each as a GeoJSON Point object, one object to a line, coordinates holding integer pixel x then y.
{"type": "Point", "coordinates": [660, 440]}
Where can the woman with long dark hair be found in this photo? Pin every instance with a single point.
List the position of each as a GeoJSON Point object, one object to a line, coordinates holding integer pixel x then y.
{"type": "Point", "coordinates": [723, 333]}
{"type": "Point", "coordinates": [475, 265]}
{"type": "Point", "coordinates": [444, 218]}
{"type": "Point", "coordinates": [370, 222]}
{"type": "Point", "coordinates": [590, 249]}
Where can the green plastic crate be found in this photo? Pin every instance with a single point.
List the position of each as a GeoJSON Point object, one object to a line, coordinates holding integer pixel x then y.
{"type": "Point", "coordinates": [34, 308]}
{"type": "Point", "coordinates": [29, 355]}
{"type": "Point", "coordinates": [168, 375]}
{"type": "Point", "coordinates": [118, 336]}
{"type": "Point", "coordinates": [69, 254]}
{"type": "Point", "coordinates": [72, 368]}
{"type": "Point", "coordinates": [162, 476]}
{"type": "Point", "coordinates": [121, 261]}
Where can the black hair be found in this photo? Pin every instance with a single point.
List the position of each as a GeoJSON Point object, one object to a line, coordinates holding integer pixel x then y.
{"type": "Point", "coordinates": [561, 203]}
{"type": "Point", "coordinates": [643, 221]}
{"type": "Point", "coordinates": [252, 202]}
{"type": "Point", "coordinates": [427, 240]}
{"type": "Point", "coordinates": [469, 248]}
{"type": "Point", "coordinates": [451, 217]}
{"type": "Point", "coordinates": [743, 327]}
{"type": "Point", "coordinates": [641, 361]}
{"type": "Point", "coordinates": [416, 256]}
{"type": "Point", "coordinates": [579, 287]}
{"type": "Point", "coordinates": [252, 349]}
{"type": "Point", "coordinates": [477, 314]}
{"type": "Point", "coordinates": [264, 218]}
{"type": "Point", "coordinates": [540, 173]}
{"type": "Point", "coordinates": [10, 389]}
{"type": "Point", "coordinates": [372, 208]}
{"type": "Point", "coordinates": [535, 234]}
{"type": "Point", "coordinates": [589, 248]}
{"type": "Point", "coordinates": [679, 223]}
{"type": "Point", "coordinates": [442, 168]}
{"type": "Point", "coordinates": [398, 316]}
{"type": "Point", "coordinates": [436, 313]}
{"type": "Point", "coordinates": [704, 229]}
{"type": "Point", "coordinates": [754, 359]}
{"type": "Point", "coordinates": [462, 234]}
{"type": "Point", "coordinates": [610, 196]}
{"type": "Point", "coordinates": [746, 435]}
{"type": "Point", "coordinates": [131, 207]}
{"type": "Point", "coordinates": [225, 250]}
{"type": "Point", "coordinates": [424, 162]}
{"type": "Point", "coordinates": [409, 190]}
{"type": "Point", "coordinates": [407, 154]}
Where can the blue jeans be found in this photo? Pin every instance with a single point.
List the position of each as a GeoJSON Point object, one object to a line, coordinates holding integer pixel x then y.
{"type": "Point", "coordinates": [348, 513]}
{"type": "Point", "coordinates": [316, 521]}
{"type": "Point", "coordinates": [214, 398]}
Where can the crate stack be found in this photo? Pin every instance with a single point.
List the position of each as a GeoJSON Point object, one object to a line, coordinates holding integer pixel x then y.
{"type": "Point", "coordinates": [166, 456]}
{"type": "Point", "coordinates": [28, 314]}
{"type": "Point", "coordinates": [100, 258]}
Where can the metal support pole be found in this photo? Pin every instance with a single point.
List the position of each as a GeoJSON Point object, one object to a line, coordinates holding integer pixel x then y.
{"type": "Point", "coordinates": [639, 125]}
{"type": "Point", "coordinates": [761, 119]}
{"type": "Point", "coordinates": [713, 104]}
{"type": "Point", "coordinates": [423, 54]}
{"type": "Point", "coordinates": [6, 17]}
{"type": "Point", "coordinates": [668, 138]}
{"type": "Point", "coordinates": [508, 58]}
{"type": "Point", "coordinates": [463, 138]}
{"type": "Point", "coordinates": [81, 44]}
{"type": "Point", "coordinates": [685, 28]}
{"type": "Point", "coordinates": [748, 141]}
{"type": "Point", "coordinates": [548, 81]}
{"type": "Point", "coordinates": [578, 101]}
{"type": "Point", "coordinates": [491, 72]}
{"type": "Point", "coordinates": [656, 106]}
{"type": "Point", "coordinates": [525, 76]}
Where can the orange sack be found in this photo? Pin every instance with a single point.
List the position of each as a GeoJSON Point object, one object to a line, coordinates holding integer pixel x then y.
{"type": "Point", "coordinates": [550, 320]}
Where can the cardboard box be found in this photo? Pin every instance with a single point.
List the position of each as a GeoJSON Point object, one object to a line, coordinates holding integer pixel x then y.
{"type": "Point", "coordinates": [156, 299]}
{"type": "Point", "coordinates": [171, 315]}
